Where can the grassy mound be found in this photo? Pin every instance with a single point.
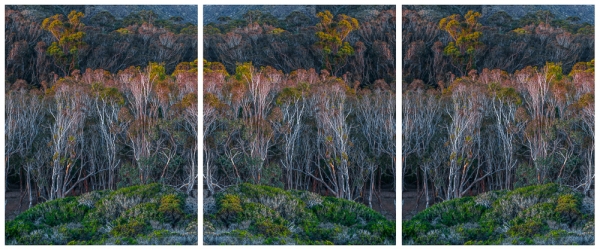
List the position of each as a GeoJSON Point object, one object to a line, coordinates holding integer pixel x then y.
{"type": "Point", "coordinates": [251, 214]}
{"type": "Point", "coordinates": [543, 214]}
{"type": "Point", "coordinates": [147, 214]}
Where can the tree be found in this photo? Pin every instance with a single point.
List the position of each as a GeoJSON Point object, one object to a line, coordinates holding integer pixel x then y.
{"type": "Point", "coordinates": [291, 103]}
{"type": "Point", "coordinates": [24, 114]}
{"type": "Point", "coordinates": [421, 117]}
{"type": "Point", "coordinates": [187, 80]}
{"type": "Point", "coordinates": [334, 139]}
{"type": "Point", "coordinates": [375, 113]}
{"type": "Point", "coordinates": [539, 132]}
{"type": "Point", "coordinates": [465, 36]}
{"type": "Point", "coordinates": [331, 36]}
{"type": "Point", "coordinates": [68, 112]}
{"type": "Point", "coordinates": [142, 115]}
{"type": "Point", "coordinates": [69, 40]}
{"type": "Point", "coordinates": [108, 103]}
{"type": "Point", "coordinates": [257, 133]}
{"type": "Point", "coordinates": [466, 114]}
{"type": "Point", "coordinates": [505, 102]}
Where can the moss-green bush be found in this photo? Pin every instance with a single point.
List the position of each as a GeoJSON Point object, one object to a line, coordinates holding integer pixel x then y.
{"type": "Point", "coordinates": [145, 214]}
{"type": "Point", "coordinates": [171, 207]}
{"type": "Point", "coordinates": [255, 214]}
{"type": "Point", "coordinates": [529, 228]}
{"type": "Point", "coordinates": [567, 207]}
{"type": "Point", "coordinates": [229, 207]}
{"type": "Point", "coordinates": [540, 214]}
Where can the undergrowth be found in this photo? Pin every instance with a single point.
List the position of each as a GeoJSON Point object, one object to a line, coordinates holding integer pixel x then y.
{"type": "Point", "coordinates": [145, 214]}
{"type": "Point", "coordinates": [539, 214]}
{"type": "Point", "coordinates": [253, 214]}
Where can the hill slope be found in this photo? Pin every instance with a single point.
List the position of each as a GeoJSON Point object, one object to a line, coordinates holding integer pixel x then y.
{"type": "Point", "coordinates": [251, 214]}
{"type": "Point", "coordinates": [148, 214]}
{"type": "Point", "coordinates": [584, 12]}
{"type": "Point", "coordinates": [188, 13]}
{"type": "Point", "coordinates": [544, 214]}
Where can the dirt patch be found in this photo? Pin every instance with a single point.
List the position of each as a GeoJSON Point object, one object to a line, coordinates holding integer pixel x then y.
{"type": "Point", "coordinates": [387, 207]}
{"type": "Point", "coordinates": [15, 204]}
{"type": "Point", "coordinates": [413, 202]}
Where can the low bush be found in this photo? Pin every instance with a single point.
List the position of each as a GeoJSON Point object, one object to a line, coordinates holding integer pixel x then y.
{"type": "Point", "coordinates": [145, 214]}
{"type": "Point", "coordinates": [255, 214]}
{"type": "Point", "coordinates": [540, 214]}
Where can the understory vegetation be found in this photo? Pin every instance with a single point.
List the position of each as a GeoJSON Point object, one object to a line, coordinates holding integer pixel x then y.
{"type": "Point", "coordinates": [548, 214]}
{"type": "Point", "coordinates": [253, 214]}
{"type": "Point", "coordinates": [146, 214]}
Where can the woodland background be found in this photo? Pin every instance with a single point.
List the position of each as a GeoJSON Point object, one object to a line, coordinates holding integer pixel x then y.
{"type": "Point", "coordinates": [99, 101]}
{"type": "Point", "coordinates": [302, 100]}
{"type": "Point", "coordinates": [496, 101]}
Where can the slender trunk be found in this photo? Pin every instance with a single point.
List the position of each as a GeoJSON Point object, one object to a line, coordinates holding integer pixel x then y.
{"type": "Point", "coordinates": [426, 189]}
{"type": "Point", "coordinates": [29, 186]}
{"type": "Point", "coordinates": [371, 187]}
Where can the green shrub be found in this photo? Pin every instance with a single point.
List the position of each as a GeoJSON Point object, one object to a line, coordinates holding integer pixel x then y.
{"type": "Point", "coordinates": [230, 206]}
{"type": "Point", "coordinates": [171, 206]}
{"type": "Point", "coordinates": [124, 216]}
{"type": "Point", "coordinates": [522, 216]}
{"type": "Point", "coordinates": [255, 214]}
{"type": "Point", "coordinates": [567, 207]}
{"type": "Point", "coordinates": [529, 228]}
{"type": "Point", "coordinates": [270, 229]}
{"type": "Point", "coordinates": [130, 228]}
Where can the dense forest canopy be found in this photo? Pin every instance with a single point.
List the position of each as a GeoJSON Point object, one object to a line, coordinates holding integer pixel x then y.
{"type": "Point", "coordinates": [363, 51]}
{"type": "Point", "coordinates": [499, 105]}
{"type": "Point", "coordinates": [37, 51]}
{"type": "Point", "coordinates": [496, 41]}
{"type": "Point", "coordinates": [96, 103]}
{"type": "Point", "coordinates": [305, 102]}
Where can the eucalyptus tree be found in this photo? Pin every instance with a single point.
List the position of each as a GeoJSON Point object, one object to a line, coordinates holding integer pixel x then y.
{"type": "Point", "coordinates": [333, 137]}
{"type": "Point", "coordinates": [69, 113]}
{"type": "Point", "coordinates": [421, 119]}
{"type": "Point", "coordinates": [291, 104]}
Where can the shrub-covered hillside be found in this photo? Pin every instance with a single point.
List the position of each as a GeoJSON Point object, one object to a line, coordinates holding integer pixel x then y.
{"type": "Point", "coordinates": [254, 214]}
{"type": "Point", "coordinates": [541, 214]}
{"type": "Point", "coordinates": [146, 214]}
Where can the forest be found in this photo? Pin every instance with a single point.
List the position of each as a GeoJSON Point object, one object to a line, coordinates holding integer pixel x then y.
{"type": "Point", "coordinates": [495, 102]}
{"type": "Point", "coordinates": [98, 102]}
{"type": "Point", "coordinates": [302, 102]}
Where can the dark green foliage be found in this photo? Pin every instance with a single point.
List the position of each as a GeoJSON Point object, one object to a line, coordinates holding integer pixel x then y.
{"type": "Point", "coordinates": [130, 227]}
{"type": "Point", "coordinates": [146, 214]}
{"type": "Point", "coordinates": [528, 228]}
{"type": "Point", "coordinates": [255, 214]}
{"type": "Point", "coordinates": [501, 31]}
{"type": "Point", "coordinates": [105, 41]}
{"type": "Point", "coordinates": [567, 207]}
{"type": "Point", "coordinates": [319, 46]}
{"type": "Point", "coordinates": [230, 206]}
{"type": "Point", "coordinates": [171, 206]}
{"type": "Point", "coordinates": [539, 214]}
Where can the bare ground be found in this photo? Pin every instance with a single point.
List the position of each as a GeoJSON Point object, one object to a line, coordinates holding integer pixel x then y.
{"type": "Point", "coordinates": [388, 204]}
{"type": "Point", "coordinates": [412, 204]}
{"type": "Point", "coordinates": [15, 204]}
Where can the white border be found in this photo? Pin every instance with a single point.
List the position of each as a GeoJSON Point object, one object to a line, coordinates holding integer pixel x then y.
{"type": "Point", "coordinates": [200, 56]}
